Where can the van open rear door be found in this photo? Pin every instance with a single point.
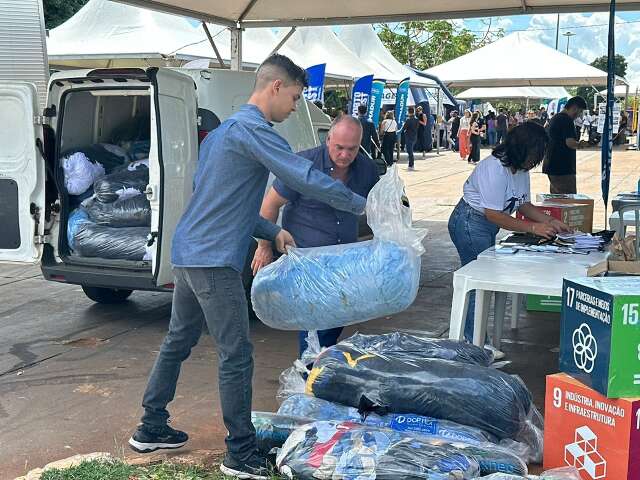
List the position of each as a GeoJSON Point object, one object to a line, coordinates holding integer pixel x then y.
{"type": "Point", "coordinates": [22, 175]}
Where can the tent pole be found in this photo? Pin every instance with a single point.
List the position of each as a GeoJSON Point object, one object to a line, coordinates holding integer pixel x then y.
{"type": "Point", "coordinates": [626, 96]}
{"type": "Point", "coordinates": [213, 44]}
{"type": "Point", "coordinates": [236, 48]}
{"type": "Point", "coordinates": [437, 124]}
{"type": "Point", "coordinates": [282, 42]}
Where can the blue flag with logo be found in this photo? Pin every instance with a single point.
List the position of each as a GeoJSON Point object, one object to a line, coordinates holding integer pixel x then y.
{"type": "Point", "coordinates": [607, 134]}
{"type": "Point", "coordinates": [361, 93]}
{"type": "Point", "coordinates": [315, 91]}
{"type": "Point", "coordinates": [375, 101]}
{"type": "Point", "coordinates": [402, 97]}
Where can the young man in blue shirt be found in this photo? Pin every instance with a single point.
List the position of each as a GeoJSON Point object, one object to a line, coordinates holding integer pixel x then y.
{"type": "Point", "coordinates": [314, 224]}
{"type": "Point", "coordinates": [209, 251]}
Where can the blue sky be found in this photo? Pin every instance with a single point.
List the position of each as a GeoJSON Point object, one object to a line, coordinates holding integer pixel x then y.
{"type": "Point", "coordinates": [590, 40]}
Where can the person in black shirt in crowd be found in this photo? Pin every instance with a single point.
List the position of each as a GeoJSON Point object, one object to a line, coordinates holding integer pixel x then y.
{"type": "Point", "coordinates": [543, 116]}
{"type": "Point", "coordinates": [501, 126]}
{"type": "Point", "coordinates": [454, 123]}
{"type": "Point", "coordinates": [410, 128]}
{"type": "Point", "coordinates": [560, 163]}
{"type": "Point", "coordinates": [475, 131]}
{"type": "Point", "coordinates": [369, 132]}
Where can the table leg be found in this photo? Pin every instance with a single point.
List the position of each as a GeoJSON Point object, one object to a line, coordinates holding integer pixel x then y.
{"type": "Point", "coordinates": [498, 317]}
{"type": "Point", "coordinates": [481, 317]}
{"type": "Point", "coordinates": [516, 301]}
{"type": "Point", "coordinates": [459, 306]}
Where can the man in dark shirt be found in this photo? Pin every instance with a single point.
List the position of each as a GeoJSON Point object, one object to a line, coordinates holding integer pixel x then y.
{"type": "Point", "coordinates": [315, 224]}
{"type": "Point", "coordinates": [410, 129]}
{"type": "Point", "coordinates": [369, 132]}
{"type": "Point", "coordinates": [543, 116]}
{"type": "Point", "coordinates": [560, 163]}
{"type": "Point", "coordinates": [501, 126]}
{"type": "Point", "coordinates": [455, 128]}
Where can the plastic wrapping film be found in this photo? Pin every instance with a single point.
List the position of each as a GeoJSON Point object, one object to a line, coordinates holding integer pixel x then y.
{"type": "Point", "coordinates": [344, 450]}
{"type": "Point", "coordinates": [110, 187]}
{"type": "Point", "coordinates": [80, 172]}
{"type": "Point", "coordinates": [394, 381]}
{"type": "Point", "coordinates": [272, 430]}
{"type": "Point", "coordinates": [338, 285]}
{"type": "Point", "coordinates": [125, 243]}
{"type": "Point", "coordinates": [78, 217]}
{"type": "Point", "coordinates": [124, 212]}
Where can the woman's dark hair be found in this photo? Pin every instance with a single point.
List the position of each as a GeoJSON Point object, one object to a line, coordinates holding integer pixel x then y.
{"type": "Point", "coordinates": [524, 147]}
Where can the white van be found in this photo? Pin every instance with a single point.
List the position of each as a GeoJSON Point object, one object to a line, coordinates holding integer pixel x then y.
{"type": "Point", "coordinates": [174, 108]}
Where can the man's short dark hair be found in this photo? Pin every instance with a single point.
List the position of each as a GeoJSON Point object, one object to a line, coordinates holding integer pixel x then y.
{"type": "Point", "coordinates": [362, 109]}
{"type": "Point", "coordinates": [576, 102]}
{"type": "Point", "coordinates": [522, 142]}
{"type": "Point", "coordinates": [280, 67]}
{"type": "Point", "coordinates": [411, 110]}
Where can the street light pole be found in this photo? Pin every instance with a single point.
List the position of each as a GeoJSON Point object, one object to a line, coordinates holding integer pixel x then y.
{"type": "Point", "coordinates": [557, 30]}
{"type": "Point", "coordinates": [568, 35]}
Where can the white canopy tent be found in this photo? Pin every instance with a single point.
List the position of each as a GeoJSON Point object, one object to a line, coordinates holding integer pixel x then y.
{"type": "Point", "coordinates": [490, 93]}
{"type": "Point", "coordinates": [621, 90]}
{"type": "Point", "coordinates": [516, 60]}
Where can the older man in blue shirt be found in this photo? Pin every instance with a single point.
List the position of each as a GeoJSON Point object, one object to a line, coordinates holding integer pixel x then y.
{"type": "Point", "coordinates": [312, 223]}
{"type": "Point", "coordinates": [209, 251]}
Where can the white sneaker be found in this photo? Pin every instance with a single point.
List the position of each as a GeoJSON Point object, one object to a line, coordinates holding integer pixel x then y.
{"type": "Point", "coordinates": [497, 354]}
{"type": "Point", "coordinates": [411, 169]}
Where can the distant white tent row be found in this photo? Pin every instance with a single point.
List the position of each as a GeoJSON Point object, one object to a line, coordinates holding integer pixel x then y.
{"type": "Point", "coordinates": [516, 60]}
{"type": "Point", "coordinates": [519, 93]}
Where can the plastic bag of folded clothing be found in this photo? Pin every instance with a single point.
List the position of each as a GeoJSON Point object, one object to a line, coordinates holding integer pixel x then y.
{"type": "Point", "coordinates": [125, 243]}
{"type": "Point", "coordinates": [80, 172]}
{"type": "Point", "coordinates": [78, 217]}
{"type": "Point", "coordinates": [372, 376]}
{"type": "Point", "coordinates": [343, 450]}
{"type": "Point", "coordinates": [272, 430]}
{"type": "Point", "coordinates": [124, 212]}
{"type": "Point", "coordinates": [327, 287]}
{"type": "Point", "coordinates": [564, 473]}
{"type": "Point", "coordinates": [121, 184]}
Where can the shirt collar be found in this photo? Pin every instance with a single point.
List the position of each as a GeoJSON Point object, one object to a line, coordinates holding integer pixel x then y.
{"type": "Point", "coordinates": [328, 165]}
{"type": "Point", "coordinates": [254, 110]}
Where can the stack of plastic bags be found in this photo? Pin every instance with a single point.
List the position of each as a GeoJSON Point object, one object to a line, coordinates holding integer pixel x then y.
{"type": "Point", "coordinates": [390, 397]}
{"type": "Point", "coordinates": [327, 287]}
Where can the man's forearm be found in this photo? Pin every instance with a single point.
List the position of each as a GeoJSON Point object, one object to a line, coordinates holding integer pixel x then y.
{"type": "Point", "coordinates": [269, 213]}
{"type": "Point", "coordinates": [572, 143]}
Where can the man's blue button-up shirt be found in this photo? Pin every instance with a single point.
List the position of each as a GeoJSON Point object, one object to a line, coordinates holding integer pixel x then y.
{"type": "Point", "coordinates": [229, 185]}
{"type": "Point", "coordinates": [316, 224]}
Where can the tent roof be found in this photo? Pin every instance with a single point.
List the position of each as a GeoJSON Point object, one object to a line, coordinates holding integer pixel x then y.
{"type": "Point", "coordinates": [516, 60]}
{"type": "Point", "coordinates": [260, 13]}
{"type": "Point", "coordinates": [621, 91]}
{"type": "Point", "coordinates": [365, 43]}
{"type": "Point", "coordinates": [513, 92]}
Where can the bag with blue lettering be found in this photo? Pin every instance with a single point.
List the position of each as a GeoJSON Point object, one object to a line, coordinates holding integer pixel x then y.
{"type": "Point", "coordinates": [338, 285]}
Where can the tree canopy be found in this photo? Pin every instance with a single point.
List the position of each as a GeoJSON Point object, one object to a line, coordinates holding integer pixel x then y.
{"type": "Point", "coordinates": [58, 11]}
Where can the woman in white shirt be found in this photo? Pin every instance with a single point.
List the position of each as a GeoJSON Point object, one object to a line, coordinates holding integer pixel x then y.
{"type": "Point", "coordinates": [463, 135]}
{"type": "Point", "coordinates": [388, 129]}
{"type": "Point", "coordinates": [498, 187]}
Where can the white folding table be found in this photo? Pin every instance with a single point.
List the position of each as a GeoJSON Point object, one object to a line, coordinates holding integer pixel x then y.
{"type": "Point", "coordinates": [520, 273]}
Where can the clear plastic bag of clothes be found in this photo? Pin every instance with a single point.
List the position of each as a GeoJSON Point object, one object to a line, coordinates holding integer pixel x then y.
{"type": "Point", "coordinates": [345, 450]}
{"type": "Point", "coordinates": [338, 285]}
{"type": "Point", "coordinates": [80, 172]}
{"type": "Point", "coordinates": [125, 243]}
{"type": "Point", "coordinates": [383, 381]}
{"type": "Point", "coordinates": [111, 187]}
{"type": "Point", "coordinates": [272, 430]}
{"type": "Point", "coordinates": [77, 218]}
{"type": "Point", "coordinates": [124, 212]}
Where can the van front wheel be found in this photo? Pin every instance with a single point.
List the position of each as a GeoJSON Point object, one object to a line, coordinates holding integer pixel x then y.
{"type": "Point", "coordinates": [106, 295]}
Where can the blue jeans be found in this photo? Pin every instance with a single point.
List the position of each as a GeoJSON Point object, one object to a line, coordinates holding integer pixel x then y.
{"type": "Point", "coordinates": [215, 296]}
{"type": "Point", "coordinates": [327, 338]}
{"type": "Point", "coordinates": [491, 137]}
{"type": "Point", "coordinates": [471, 234]}
{"type": "Point", "coordinates": [410, 143]}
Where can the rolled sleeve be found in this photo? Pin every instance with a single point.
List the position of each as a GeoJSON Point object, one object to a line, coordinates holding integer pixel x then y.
{"type": "Point", "coordinates": [284, 191]}
{"type": "Point", "coordinates": [265, 229]}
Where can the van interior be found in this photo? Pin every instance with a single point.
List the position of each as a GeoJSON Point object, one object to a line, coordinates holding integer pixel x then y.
{"type": "Point", "coordinates": [102, 170]}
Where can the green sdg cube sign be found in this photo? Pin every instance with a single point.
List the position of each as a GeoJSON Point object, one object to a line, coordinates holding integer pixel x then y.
{"type": "Point", "coordinates": [600, 334]}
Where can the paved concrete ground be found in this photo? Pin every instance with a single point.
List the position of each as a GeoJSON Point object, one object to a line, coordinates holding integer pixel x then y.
{"type": "Point", "coordinates": [72, 372]}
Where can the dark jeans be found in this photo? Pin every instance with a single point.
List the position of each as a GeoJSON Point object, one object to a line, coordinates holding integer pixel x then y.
{"type": "Point", "coordinates": [410, 144]}
{"type": "Point", "coordinates": [327, 338]}
{"type": "Point", "coordinates": [215, 296]}
{"type": "Point", "coordinates": [388, 146]}
{"type": "Point", "coordinates": [562, 184]}
{"type": "Point", "coordinates": [474, 156]}
{"type": "Point", "coordinates": [500, 136]}
{"type": "Point", "coordinates": [472, 234]}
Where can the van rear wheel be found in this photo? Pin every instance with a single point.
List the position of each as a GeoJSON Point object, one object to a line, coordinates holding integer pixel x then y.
{"type": "Point", "coordinates": [106, 295]}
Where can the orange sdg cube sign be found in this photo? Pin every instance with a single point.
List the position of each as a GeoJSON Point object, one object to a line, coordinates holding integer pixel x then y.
{"type": "Point", "coordinates": [584, 429]}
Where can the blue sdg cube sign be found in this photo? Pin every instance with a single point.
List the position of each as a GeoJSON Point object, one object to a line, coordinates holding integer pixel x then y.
{"type": "Point", "coordinates": [600, 334]}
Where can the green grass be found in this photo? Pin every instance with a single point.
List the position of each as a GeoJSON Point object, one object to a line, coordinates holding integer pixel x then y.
{"type": "Point", "coordinates": [116, 470]}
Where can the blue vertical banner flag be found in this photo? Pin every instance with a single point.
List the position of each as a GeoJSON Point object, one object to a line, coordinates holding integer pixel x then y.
{"type": "Point", "coordinates": [402, 98]}
{"type": "Point", "coordinates": [607, 136]}
{"type": "Point", "coordinates": [375, 101]}
{"type": "Point", "coordinates": [361, 93]}
{"type": "Point", "coordinates": [315, 91]}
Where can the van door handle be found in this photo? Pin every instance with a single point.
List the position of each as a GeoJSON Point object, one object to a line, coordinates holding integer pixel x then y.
{"type": "Point", "coordinates": [150, 192]}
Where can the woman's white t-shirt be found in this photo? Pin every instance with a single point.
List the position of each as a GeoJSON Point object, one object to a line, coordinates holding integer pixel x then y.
{"type": "Point", "coordinates": [494, 186]}
{"type": "Point", "coordinates": [465, 123]}
{"type": "Point", "coordinates": [388, 125]}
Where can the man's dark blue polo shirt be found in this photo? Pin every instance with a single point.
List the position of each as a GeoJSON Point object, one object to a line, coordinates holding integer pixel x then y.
{"type": "Point", "coordinates": [315, 224]}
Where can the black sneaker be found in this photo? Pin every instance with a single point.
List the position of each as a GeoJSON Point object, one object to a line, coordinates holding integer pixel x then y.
{"type": "Point", "coordinates": [254, 468]}
{"type": "Point", "coordinates": [149, 438]}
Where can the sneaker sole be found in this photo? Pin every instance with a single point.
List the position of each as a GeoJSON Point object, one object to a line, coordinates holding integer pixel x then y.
{"type": "Point", "coordinates": [241, 475]}
{"type": "Point", "coordinates": [152, 447]}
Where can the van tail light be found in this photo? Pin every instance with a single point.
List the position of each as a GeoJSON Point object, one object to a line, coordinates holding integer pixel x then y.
{"type": "Point", "coordinates": [58, 278]}
{"type": "Point", "coordinates": [201, 135]}
{"type": "Point", "coordinates": [168, 286]}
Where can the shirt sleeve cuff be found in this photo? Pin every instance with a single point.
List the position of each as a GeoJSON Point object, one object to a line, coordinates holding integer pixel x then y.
{"type": "Point", "coordinates": [266, 230]}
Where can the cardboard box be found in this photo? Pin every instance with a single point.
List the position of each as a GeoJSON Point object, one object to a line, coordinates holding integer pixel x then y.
{"type": "Point", "coordinates": [577, 216]}
{"type": "Point", "coordinates": [543, 303]}
{"type": "Point", "coordinates": [600, 334]}
{"type": "Point", "coordinates": [615, 266]}
{"type": "Point", "coordinates": [598, 436]}
{"type": "Point", "coordinates": [564, 198]}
